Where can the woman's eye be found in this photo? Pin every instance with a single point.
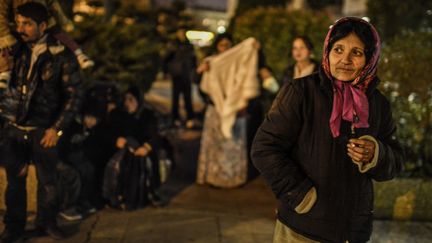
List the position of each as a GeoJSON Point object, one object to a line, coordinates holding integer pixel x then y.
{"type": "Point", "coordinates": [338, 50]}
{"type": "Point", "coordinates": [358, 53]}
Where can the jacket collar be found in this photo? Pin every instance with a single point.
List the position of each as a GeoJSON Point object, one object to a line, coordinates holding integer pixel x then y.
{"type": "Point", "coordinates": [45, 47]}
{"type": "Point", "coordinates": [37, 50]}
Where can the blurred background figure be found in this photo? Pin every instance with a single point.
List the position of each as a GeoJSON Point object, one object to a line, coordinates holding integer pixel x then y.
{"type": "Point", "coordinates": [180, 63]}
{"type": "Point", "coordinates": [77, 147]}
{"type": "Point", "coordinates": [304, 64]}
{"type": "Point", "coordinates": [223, 154]}
{"type": "Point", "coordinates": [135, 135]}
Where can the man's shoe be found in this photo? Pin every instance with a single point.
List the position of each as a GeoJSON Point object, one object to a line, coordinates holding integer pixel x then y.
{"type": "Point", "coordinates": [86, 208]}
{"type": "Point", "coordinates": [71, 214]}
{"type": "Point", "coordinates": [10, 235]}
{"type": "Point", "coordinates": [156, 200]}
{"type": "Point", "coordinates": [55, 232]}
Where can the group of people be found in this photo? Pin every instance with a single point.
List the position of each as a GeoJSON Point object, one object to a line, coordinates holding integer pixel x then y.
{"type": "Point", "coordinates": [89, 147]}
{"type": "Point", "coordinates": [328, 133]}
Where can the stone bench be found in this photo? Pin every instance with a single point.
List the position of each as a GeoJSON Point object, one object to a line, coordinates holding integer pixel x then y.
{"type": "Point", "coordinates": [404, 199]}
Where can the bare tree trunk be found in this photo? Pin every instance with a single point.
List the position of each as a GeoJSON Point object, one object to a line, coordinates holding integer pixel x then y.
{"type": "Point", "coordinates": [67, 6]}
{"type": "Point", "coordinates": [109, 6]}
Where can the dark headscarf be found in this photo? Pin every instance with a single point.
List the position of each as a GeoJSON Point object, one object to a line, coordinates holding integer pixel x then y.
{"type": "Point", "coordinates": [136, 92]}
{"type": "Point", "coordinates": [350, 101]}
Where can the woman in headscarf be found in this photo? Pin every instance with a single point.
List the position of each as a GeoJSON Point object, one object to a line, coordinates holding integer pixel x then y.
{"type": "Point", "coordinates": [325, 138]}
{"type": "Point", "coordinates": [304, 65]}
{"type": "Point", "coordinates": [135, 132]}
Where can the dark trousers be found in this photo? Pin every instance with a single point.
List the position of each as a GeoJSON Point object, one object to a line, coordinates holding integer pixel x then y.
{"type": "Point", "coordinates": [182, 86]}
{"type": "Point", "coordinates": [21, 147]}
{"type": "Point", "coordinates": [80, 162]}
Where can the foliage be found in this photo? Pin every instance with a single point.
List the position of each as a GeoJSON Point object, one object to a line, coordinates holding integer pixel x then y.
{"type": "Point", "coordinates": [276, 28]}
{"type": "Point", "coordinates": [393, 17]}
{"type": "Point", "coordinates": [406, 82]}
{"type": "Point", "coordinates": [125, 50]}
{"type": "Point", "coordinates": [245, 5]}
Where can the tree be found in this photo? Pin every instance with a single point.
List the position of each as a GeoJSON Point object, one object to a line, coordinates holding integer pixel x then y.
{"type": "Point", "coordinates": [276, 27]}
{"type": "Point", "coordinates": [245, 5]}
{"type": "Point", "coordinates": [407, 84]}
{"type": "Point", "coordinates": [393, 17]}
{"type": "Point", "coordinates": [67, 6]}
{"type": "Point", "coordinates": [125, 51]}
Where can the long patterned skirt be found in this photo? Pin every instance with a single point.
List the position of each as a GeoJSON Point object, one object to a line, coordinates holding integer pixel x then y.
{"type": "Point", "coordinates": [222, 162]}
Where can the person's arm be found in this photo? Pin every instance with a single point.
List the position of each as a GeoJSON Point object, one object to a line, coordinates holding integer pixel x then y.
{"type": "Point", "coordinates": [272, 147]}
{"type": "Point", "coordinates": [154, 139]}
{"type": "Point", "coordinates": [71, 80]}
{"type": "Point", "coordinates": [203, 67]}
{"type": "Point", "coordinates": [167, 57]}
{"type": "Point", "coordinates": [71, 90]}
{"type": "Point", "coordinates": [389, 154]}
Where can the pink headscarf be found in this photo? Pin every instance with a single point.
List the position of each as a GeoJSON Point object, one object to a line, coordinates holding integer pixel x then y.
{"type": "Point", "coordinates": [349, 98]}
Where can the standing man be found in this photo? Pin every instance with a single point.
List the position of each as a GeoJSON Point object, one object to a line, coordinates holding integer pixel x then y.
{"type": "Point", "coordinates": [180, 64]}
{"type": "Point", "coordinates": [39, 102]}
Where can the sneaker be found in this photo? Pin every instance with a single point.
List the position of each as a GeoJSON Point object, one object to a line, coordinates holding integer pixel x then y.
{"type": "Point", "coordinates": [155, 200]}
{"type": "Point", "coordinates": [91, 210]}
{"type": "Point", "coordinates": [84, 61]}
{"type": "Point", "coordinates": [71, 214]}
{"type": "Point", "coordinates": [86, 208]}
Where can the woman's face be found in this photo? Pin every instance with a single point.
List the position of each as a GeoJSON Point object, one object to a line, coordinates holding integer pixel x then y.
{"type": "Point", "coordinates": [347, 58]}
{"type": "Point", "coordinates": [300, 51]}
{"type": "Point", "coordinates": [130, 103]}
{"type": "Point", "coordinates": [223, 45]}
{"type": "Point", "coordinates": [90, 121]}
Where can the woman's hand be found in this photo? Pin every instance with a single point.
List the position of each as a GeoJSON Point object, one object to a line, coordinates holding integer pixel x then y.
{"type": "Point", "coordinates": [121, 142]}
{"type": "Point", "coordinates": [361, 150]}
{"type": "Point", "coordinates": [203, 67]}
{"type": "Point", "coordinates": [257, 45]}
{"type": "Point", "coordinates": [142, 151]}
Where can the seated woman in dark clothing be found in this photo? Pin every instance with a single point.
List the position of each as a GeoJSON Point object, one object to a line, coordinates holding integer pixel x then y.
{"type": "Point", "coordinates": [135, 133]}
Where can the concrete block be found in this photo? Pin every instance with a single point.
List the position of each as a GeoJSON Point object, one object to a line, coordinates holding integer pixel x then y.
{"type": "Point", "coordinates": [403, 199]}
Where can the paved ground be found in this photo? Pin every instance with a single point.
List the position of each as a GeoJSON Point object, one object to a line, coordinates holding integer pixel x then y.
{"type": "Point", "coordinates": [205, 214]}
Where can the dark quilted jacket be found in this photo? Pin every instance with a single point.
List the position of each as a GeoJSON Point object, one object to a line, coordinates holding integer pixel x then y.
{"type": "Point", "coordinates": [49, 95]}
{"type": "Point", "coordinates": [295, 151]}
